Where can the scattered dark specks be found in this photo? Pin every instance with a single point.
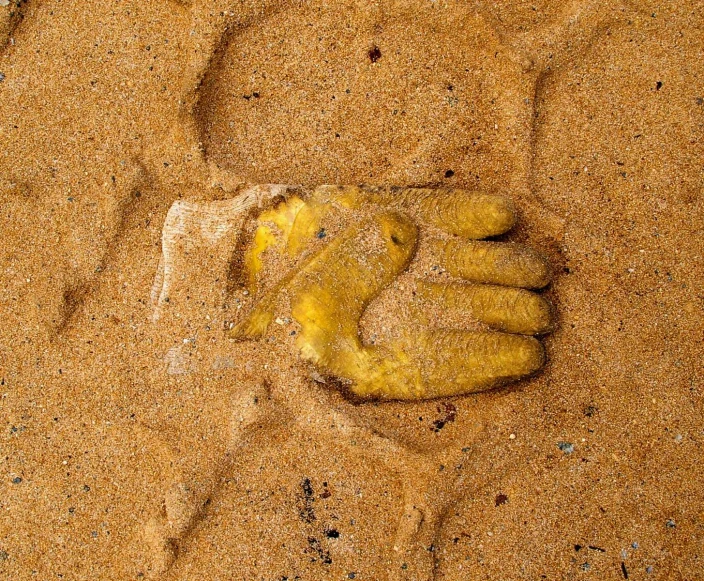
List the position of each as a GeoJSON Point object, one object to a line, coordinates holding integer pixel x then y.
{"type": "Point", "coordinates": [449, 413]}
{"type": "Point", "coordinates": [325, 493]}
{"type": "Point", "coordinates": [566, 447]}
{"type": "Point", "coordinates": [670, 524]}
{"type": "Point", "coordinates": [332, 533]}
{"type": "Point", "coordinates": [500, 499]}
{"type": "Point", "coordinates": [624, 570]}
{"type": "Point", "coordinates": [319, 552]}
{"type": "Point", "coordinates": [449, 173]}
{"type": "Point", "coordinates": [321, 233]}
{"type": "Point", "coordinates": [17, 480]}
{"type": "Point", "coordinates": [94, 534]}
{"type": "Point", "coordinates": [658, 85]}
{"type": "Point", "coordinates": [586, 566]}
{"type": "Point", "coordinates": [306, 510]}
{"type": "Point", "coordinates": [374, 54]}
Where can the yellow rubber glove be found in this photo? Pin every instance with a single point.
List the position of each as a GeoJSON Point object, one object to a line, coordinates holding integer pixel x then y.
{"type": "Point", "coordinates": [329, 286]}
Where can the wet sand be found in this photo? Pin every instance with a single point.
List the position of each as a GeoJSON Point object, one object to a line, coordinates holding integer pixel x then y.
{"type": "Point", "coordinates": [589, 115]}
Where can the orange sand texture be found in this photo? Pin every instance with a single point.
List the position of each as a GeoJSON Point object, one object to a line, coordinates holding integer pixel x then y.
{"type": "Point", "coordinates": [589, 114]}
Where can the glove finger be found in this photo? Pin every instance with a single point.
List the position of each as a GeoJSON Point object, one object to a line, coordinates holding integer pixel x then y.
{"type": "Point", "coordinates": [501, 263]}
{"type": "Point", "coordinates": [446, 363]}
{"type": "Point", "coordinates": [513, 310]}
{"type": "Point", "coordinates": [460, 362]}
{"type": "Point", "coordinates": [461, 212]}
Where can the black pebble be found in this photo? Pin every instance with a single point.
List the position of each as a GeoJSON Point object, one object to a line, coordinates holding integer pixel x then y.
{"type": "Point", "coordinates": [332, 534]}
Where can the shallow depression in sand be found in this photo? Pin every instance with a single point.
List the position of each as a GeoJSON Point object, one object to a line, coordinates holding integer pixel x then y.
{"type": "Point", "coordinates": [343, 94]}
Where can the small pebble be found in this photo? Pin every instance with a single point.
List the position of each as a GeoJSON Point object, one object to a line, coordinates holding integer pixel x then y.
{"type": "Point", "coordinates": [16, 480]}
{"type": "Point", "coordinates": [635, 545]}
{"type": "Point", "coordinates": [566, 447]}
{"type": "Point", "coordinates": [670, 524]}
{"type": "Point", "coordinates": [2, 77]}
{"type": "Point", "coordinates": [351, 575]}
{"type": "Point", "coordinates": [649, 569]}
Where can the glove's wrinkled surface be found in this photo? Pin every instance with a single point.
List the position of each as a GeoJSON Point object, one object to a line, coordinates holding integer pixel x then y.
{"type": "Point", "coordinates": [331, 274]}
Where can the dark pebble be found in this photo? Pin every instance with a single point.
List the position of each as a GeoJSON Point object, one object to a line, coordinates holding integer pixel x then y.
{"type": "Point", "coordinates": [566, 447]}
{"type": "Point", "coordinates": [16, 480]}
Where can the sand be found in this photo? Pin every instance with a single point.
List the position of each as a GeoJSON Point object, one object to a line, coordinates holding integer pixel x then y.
{"type": "Point", "coordinates": [588, 114]}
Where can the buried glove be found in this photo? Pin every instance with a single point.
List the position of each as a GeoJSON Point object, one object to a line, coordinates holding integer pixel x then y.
{"type": "Point", "coordinates": [329, 288]}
